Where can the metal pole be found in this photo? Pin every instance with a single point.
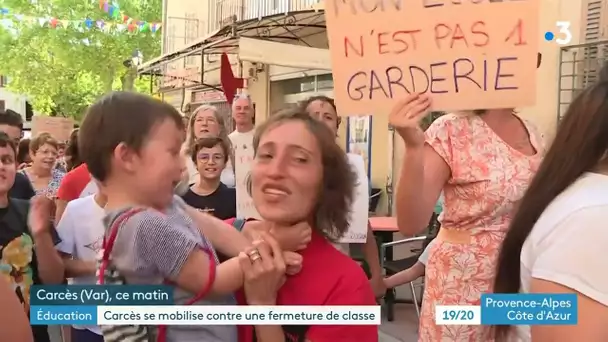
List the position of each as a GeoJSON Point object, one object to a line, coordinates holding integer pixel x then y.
{"type": "Point", "coordinates": [391, 162]}
{"type": "Point", "coordinates": [559, 85]}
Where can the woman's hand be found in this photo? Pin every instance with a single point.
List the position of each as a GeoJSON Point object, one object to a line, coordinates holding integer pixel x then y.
{"type": "Point", "coordinates": [41, 210]}
{"type": "Point", "coordinates": [264, 271]}
{"type": "Point", "coordinates": [406, 116]}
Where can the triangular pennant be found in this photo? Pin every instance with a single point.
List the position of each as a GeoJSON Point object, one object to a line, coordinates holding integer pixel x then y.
{"type": "Point", "coordinates": [42, 21]}
{"type": "Point", "coordinates": [100, 24]}
{"type": "Point", "coordinates": [65, 23]}
{"type": "Point", "coordinates": [121, 27]}
{"type": "Point", "coordinates": [6, 23]}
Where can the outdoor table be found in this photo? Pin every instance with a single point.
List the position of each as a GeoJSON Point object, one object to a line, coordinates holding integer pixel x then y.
{"type": "Point", "coordinates": [384, 227]}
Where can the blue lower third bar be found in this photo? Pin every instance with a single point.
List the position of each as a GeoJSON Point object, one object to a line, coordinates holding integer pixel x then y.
{"type": "Point", "coordinates": [63, 315]}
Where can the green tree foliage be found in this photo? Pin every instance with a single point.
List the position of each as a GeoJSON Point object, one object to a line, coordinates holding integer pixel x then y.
{"type": "Point", "coordinates": [63, 70]}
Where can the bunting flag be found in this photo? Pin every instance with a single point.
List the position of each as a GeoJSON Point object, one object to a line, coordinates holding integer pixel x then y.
{"type": "Point", "coordinates": [113, 10]}
{"type": "Point", "coordinates": [11, 20]}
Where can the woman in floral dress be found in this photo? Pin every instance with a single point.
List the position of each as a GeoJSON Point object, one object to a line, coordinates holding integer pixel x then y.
{"type": "Point", "coordinates": [483, 162]}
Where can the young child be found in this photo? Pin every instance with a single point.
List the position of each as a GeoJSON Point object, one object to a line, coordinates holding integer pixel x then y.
{"type": "Point", "coordinates": [208, 194]}
{"type": "Point", "coordinates": [81, 231]}
{"type": "Point", "coordinates": [412, 273]}
{"type": "Point", "coordinates": [27, 240]}
{"type": "Point", "coordinates": [131, 144]}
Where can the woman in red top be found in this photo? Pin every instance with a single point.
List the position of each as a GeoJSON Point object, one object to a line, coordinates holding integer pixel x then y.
{"type": "Point", "coordinates": [299, 174]}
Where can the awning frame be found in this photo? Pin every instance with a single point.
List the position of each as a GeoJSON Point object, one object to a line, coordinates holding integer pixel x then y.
{"type": "Point", "coordinates": [289, 27]}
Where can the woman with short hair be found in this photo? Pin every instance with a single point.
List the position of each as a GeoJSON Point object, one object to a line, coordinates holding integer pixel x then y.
{"type": "Point", "coordinates": [42, 173]}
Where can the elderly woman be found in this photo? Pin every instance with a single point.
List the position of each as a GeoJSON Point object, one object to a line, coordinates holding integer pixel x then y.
{"type": "Point", "coordinates": [42, 173]}
{"type": "Point", "coordinates": [206, 122]}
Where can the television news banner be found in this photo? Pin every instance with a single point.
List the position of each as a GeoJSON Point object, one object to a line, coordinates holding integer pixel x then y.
{"type": "Point", "coordinates": [490, 60]}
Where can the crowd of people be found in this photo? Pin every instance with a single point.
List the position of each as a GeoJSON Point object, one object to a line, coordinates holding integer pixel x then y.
{"type": "Point", "coordinates": [160, 191]}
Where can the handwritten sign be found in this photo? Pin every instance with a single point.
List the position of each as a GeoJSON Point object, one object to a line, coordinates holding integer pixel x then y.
{"type": "Point", "coordinates": [357, 232]}
{"type": "Point", "coordinates": [58, 127]}
{"type": "Point", "coordinates": [243, 157]}
{"type": "Point", "coordinates": [469, 54]}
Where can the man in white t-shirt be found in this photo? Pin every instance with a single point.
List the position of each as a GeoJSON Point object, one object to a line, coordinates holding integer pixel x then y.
{"type": "Point", "coordinates": [242, 114]}
{"type": "Point", "coordinates": [81, 231]}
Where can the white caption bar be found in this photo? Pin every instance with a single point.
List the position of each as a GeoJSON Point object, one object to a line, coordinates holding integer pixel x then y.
{"type": "Point", "coordinates": [238, 315]}
{"type": "Point", "coordinates": [458, 315]}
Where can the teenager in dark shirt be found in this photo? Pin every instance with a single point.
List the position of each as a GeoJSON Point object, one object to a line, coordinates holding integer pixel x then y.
{"type": "Point", "coordinates": [208, 194]}
{"type": "Point", "coordinates": [21, 264]}
{"type": "Point", "coordinates": [11, 123]}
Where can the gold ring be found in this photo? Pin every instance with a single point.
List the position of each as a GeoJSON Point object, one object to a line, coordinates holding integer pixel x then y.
{"type": "Point", "coordinates": [255, 257]}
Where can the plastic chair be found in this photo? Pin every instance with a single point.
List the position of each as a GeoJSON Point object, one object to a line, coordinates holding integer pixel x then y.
{"type": "Point", "coordinates": [396, 266]}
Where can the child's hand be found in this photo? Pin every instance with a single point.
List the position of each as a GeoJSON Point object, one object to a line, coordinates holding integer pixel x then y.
{"type": "Point", "coordinates": [253, 230]}
{"type": "Point", "coordinates": [387, 283]}
{"type": "Point", "coordinates": [294, 238]}
{"type": "Point", "coordinates": [379, 286]}
{"type": "Point", "coordinates": [41, 211]}
{"type": "Point", "coordinates": [293, 263]}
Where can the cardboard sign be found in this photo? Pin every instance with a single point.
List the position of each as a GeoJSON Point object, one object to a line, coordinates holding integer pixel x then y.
{"type": "Point", "coordinates": [357, 232]}
{"type": "Point", "coordinates": [243, 157]}
{"type": "Point", "coordinates": [468, 54]}
{"type": "Point", "coordinates": [58, 127]}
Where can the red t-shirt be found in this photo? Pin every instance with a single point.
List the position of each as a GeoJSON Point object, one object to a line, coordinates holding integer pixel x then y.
{"type": "Point", "coordinates": [76, 183]}
{"type": "Point", "coordinates": [328, 277]}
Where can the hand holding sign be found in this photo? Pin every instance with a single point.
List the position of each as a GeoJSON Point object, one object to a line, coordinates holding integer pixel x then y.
{"type": "Point", "coordinates": [406, 116]}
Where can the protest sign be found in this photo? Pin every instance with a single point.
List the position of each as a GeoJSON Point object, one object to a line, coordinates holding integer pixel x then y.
{"type": "Point", "coordinates": [359, 215]}
{"type": "Point", "coordinates": [243, 157]}
{"type": "Point", "coordinates": [466, 54]}
{"type": "Point", "coordinates": [59, 128]}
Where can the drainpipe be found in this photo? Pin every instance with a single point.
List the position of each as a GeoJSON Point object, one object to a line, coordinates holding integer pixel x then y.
{"type": "Point", "coordinates": [163, 37]}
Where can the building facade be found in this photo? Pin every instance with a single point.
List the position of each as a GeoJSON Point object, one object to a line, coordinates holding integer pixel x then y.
{"type": "Point", "coordinates": [195, 78]}
{"type": "Point", "coordinates": [16, 102]}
